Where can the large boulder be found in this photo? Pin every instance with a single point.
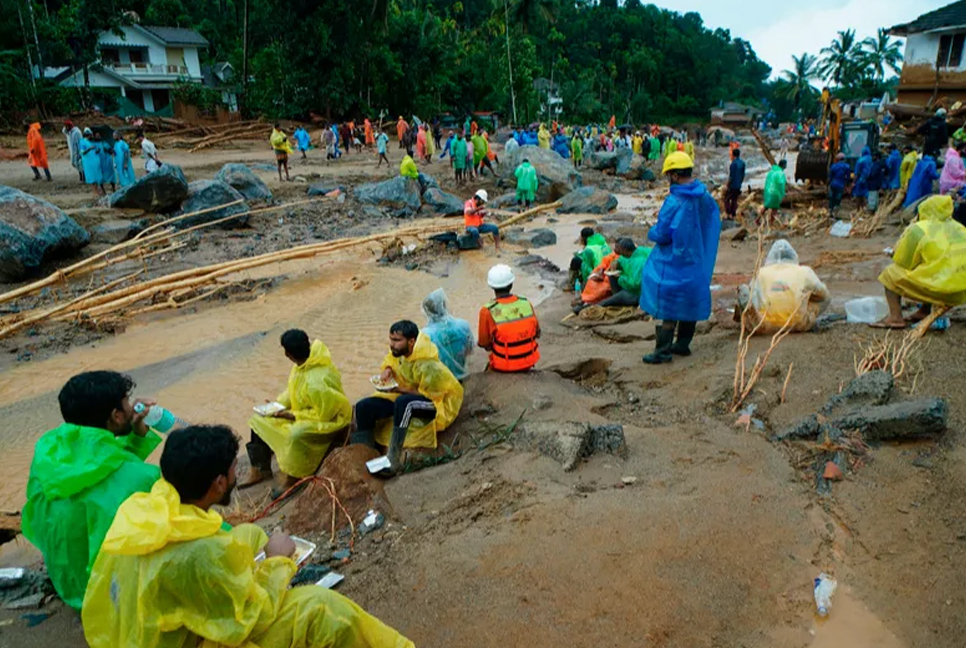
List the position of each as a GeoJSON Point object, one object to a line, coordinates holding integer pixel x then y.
{"type": "Point", "coordinates": [205, 194]}
{"type": "Point", "coordinates": [623, 158]}
{"type": "Point", "coordinates": [33, 231]}
{"type": "Point", "coordinates": [427, 182]}
{"type": "Point", "coordinates": [557, 176]}
{"type": "Point", "coordinates": [506, 201]}
{"type": "Point", "coordinates": [588, 200]}
{"type": "Point", "coordinates": [159, 191]}
{"type": "Point", "coordinates": [244, 181]}
{"type": "Point", "coordinates": [444, 204]}
{"type": "Point", "coordinates": [400, 196]}
{"type": "Point", "coordinates": [540, 237]}
{"type": "Point", "coordinates": [601, 160]}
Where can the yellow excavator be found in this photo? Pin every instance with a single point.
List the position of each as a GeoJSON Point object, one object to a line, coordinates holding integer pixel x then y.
{"type": "Point", "coordinates": [832, 137]}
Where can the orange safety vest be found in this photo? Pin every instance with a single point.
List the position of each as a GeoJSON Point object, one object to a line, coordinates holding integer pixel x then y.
{"type": "Point", "coordinates": [515, 339]}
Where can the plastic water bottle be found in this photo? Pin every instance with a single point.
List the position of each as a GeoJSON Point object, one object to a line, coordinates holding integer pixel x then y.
{"type": "Point", "coordinates": [866, 310]}
{"type": "Point", "coordinates": [577, 286]}
{"type": "Point", "coordinates": [160, 419]}
{"type": "Point", "coordinates": [824, 588]}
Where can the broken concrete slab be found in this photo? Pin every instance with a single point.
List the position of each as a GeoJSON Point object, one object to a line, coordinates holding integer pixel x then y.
{"type": "Point", "coordinates": [569, 442]}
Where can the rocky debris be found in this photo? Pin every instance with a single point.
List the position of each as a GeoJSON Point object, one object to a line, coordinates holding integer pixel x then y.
{"type": "Point", "coordinates": [427, 182]}
{"type": "Point", "coordinates": [623, 159]}
{"type": "Point", "coordinates": [638, 170]}
{"type": "Point", "coordinates": [864, 406]}
{"type": "Point", "coordinates": [205, 194]}
{"type": "Point", "coordinates": [557, 176]}
{"type": "Point", "coordinates": [444, 204]}
{"type": "Point", "coordinates": [324, 188]}
{"type": "Point", "coordinates": [159, 191]}
{"type": "Point", "coordinates": [588, 200]}
{"type": "Point", "coordinates": [569, 442]}
{"type": "Point", "coordinates": [33, 231]}
{"type": "Point", "coordinates": [112, 232]}
{"type": "Point", "coordinates": [540, 237]}
{"type": "Point", "coordinates": [600, 160]}
{"type": "Point", "coordinates": [506, 202]}
{"type": "Point", "coordinates": [244, 181]}
{"type": "Point", "coordinates": [399, 196]}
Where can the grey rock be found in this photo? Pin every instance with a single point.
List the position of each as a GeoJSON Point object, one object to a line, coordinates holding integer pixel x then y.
{"type": "Point", "coordinates": [506, 201]}
{"type": "Point", "coordinates": [904, 420]}
{"type": "Point", "coordinates": [115, 231]}
{"type": "Point", "coordinates": [600, 160]}
{"type": "Point", "coordinates": [557, 176]}
{"type": "Point", "coordinates": [400, 196]}
{"type": "Point", "coordinates": [323, 188]}
{"type": "Point", "coordinates": [540, 237]}
{"type": "Point", "coordinates": [624, 158]}
{"type": "Point", "coordinates": [569, 442]}
{"type": "Point", "coordinates": [32, 232]}
{"type": "Point", "coordinates": [872, 388]}
{"type": "Point", "coordinates": [244, 181]}
{"type": "Point", "coordinates": [427, 182]}
{"type": "Point", "coordinates": [542, 402]}
{"type": "Point", "coordinates": [373, 212]}
{"type": "Point", "coordinates": [159, 191]}
{"type": "Point", "coordinates": [442, 203]}
{"type": "Point", "coordinates": [588, 200]}
{"type": "Point", "coordinates": [205, 194]}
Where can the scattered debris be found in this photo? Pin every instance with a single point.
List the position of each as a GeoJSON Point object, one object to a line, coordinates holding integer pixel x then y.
{"type": "Point", "coordinates": [568, 442]}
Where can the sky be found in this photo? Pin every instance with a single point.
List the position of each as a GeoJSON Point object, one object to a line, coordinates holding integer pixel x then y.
{"type": "Point", "coordinates": [778, 29]}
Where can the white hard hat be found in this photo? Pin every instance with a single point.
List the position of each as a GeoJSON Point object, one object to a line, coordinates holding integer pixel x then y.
{"type": "Point", "coordinates": [500, 276]}
{"type": "Point", "coordinates": [941, 112]}
{"type": "Point", "coordinates": [482, 195]}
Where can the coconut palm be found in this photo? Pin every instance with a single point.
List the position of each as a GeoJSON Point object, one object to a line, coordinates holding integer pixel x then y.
{"type": "Point", "coordinates": [882, 53]}
{"type": "Point", "coordinates": [842, 60]}
{"type": "Point", "coordinates": [529, 13]}
{"type": "Point", "coordinates": [797, 82]}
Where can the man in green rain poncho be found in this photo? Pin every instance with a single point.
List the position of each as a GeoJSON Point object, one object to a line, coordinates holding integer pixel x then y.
{"type": "Point", "coordinates": [655, 152]}
{"type": "Point", "coordinates": [624, 275]}
{"type": "Point", "coordinates": [527, 183]}
{"type": "Point", "coordinates": [593, 250]}
{"type": "Point", "coordinates": [81, 473]}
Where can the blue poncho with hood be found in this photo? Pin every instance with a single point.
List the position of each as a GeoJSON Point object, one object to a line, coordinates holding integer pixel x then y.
{"type": "Point", "coordinates": [862, 170]}
{"type": "Point", "coordinates": [921, 183]}
{"type": "Point", "coordinates": [676, 282]}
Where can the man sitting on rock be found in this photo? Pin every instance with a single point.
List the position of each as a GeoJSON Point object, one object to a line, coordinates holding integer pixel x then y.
{"type": "Point", "coordinates": [508, 326]}
{"type": "Point", "coordinates": [413, 384]}
{"type": "Point", "coordinates": [316, 411]}
{"type": "Point", "coordinates": [171, 574]}
{"type": "Point", "coordinates": [81, 473]}
{"type": "Point", "coordinates": [473, 215]}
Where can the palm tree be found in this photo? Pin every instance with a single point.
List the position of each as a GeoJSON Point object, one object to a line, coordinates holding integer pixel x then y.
{"type": "Point", "coordinates": [528, 13]}
{"type": "Point", "coordinates": [797, 82]}
{"type": "Point", "coordinates": [842, 59]}
{"type": "Point", "coordinates": [882, 53]}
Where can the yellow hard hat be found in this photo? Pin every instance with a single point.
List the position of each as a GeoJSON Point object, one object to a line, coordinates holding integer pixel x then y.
{"type": "Point", "coordinates": [677, 160]}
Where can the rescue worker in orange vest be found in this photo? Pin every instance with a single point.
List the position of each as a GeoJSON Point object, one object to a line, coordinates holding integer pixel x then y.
{"type": "Point", "coordinates": [473, 214]}
{"type": "Point", "coordinates": [508, 325]}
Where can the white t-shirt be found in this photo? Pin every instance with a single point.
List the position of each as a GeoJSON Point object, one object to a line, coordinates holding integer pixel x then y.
{"type": "Point", "coordinates": [149, 152]}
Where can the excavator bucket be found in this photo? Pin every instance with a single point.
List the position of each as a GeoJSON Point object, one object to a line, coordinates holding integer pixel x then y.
{"type": "Point", "coordinates": [812, 164]}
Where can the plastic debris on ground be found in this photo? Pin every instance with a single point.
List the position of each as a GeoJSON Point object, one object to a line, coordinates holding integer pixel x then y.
{"type": "Point", "coordinates": [372, 521]}
{"type": "Point", "coordinates": [824, 589]}
{"type": "Point", "coordinates": [841, 229]}
{"type": "Point", "coordinates": [310, 574]}
{"type": "Point", "coordinates": [330, 580]}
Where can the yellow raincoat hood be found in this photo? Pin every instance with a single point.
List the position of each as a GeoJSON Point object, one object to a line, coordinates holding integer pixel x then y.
{"type": "Point", "coordinates": [280, 141]}
{"type": "Point", "coordinates": [424, 371]}
{"type": "Point", "coordinates": [930, 256]}
{"type": "Point", "coordinates": [314, 395]}
{"type": "Point", "coordinates": [147, 522]}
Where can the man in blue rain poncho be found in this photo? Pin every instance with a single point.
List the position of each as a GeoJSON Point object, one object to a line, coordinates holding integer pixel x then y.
{"type": "Point", "coordinates": [921, 183]}
{"type": "Point", "coordinates": [302, 140]}
{"type": "Point", "coordinates": [122, 161]}
{"type": "Point", "coordinates": [862, 170]}
{"type": "Point", "coordinates": [893, 164]}
{"type": "Point", "coordinates": [676, 283]}
{"type": "Point", "coordinates": [452, 336]}
{"type": "Point", "coordinates": [561, 144]}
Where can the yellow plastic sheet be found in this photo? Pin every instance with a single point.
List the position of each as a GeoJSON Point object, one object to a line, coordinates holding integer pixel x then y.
{"type": "Point", "coordinates": [424, 371]}
{"type": "Point", "coordinates": [321, 409]}
{"type": "Point", "coordinates": [168, 576]}
{"type": "Point", "coordinates": [929, 264]}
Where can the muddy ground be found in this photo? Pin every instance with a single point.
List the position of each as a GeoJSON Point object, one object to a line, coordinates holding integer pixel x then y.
{"type": "Point", "coordinates": [715, 541]}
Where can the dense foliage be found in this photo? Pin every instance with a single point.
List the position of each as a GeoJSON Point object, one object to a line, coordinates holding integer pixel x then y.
{"type": "Point", "coordinates": [349, 57]}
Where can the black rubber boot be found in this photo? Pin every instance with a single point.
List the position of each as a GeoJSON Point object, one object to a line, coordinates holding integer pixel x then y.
{"type": "Point", "coordinates": [685, 334]}
{"type": "Point", "coordinates": [662, 353]}
{"type": "Point", "coordinates": [572, 278]}
{"type": "Point", "coordinates": [394, 452]}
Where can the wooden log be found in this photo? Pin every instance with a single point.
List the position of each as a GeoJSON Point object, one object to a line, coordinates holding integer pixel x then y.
{"type": "Point", "coordinates": [764, 148]}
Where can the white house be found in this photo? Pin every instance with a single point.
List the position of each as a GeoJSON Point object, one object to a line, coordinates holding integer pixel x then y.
{"type": "Point", "coordinates": [934, 65]}
{"type": "Point", "coordinates": [143, 64]}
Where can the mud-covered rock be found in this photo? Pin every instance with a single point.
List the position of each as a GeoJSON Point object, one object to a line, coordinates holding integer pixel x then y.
{"type": "Point", "coordinates": [569, 442]}
{"type": "Point", "coordinates": [205, 194]}
{"type": "Point", "coordinates": [442, 203]}
{"type": "Point", "coordinates": [557, 176]}
{"type": "Point", "coordinates": [33, 231]}
{"type": "Point", "coordinates": [506, 201]}
{"type": "Point", "coordinates": [399, 196]}
{"type": "Point", "coordinates": [600, 160]}
{"type": "Point", "coordinates": [588, 200]}
{"type": "Point", "coordinates": [244, 181]}
{"type": "Point", "coordinates": [114, 231]}
{"type": "Point", "coordinates": [623, 157]}
{"type": "Point", "coordinates": [427, 182]}
{"type": "Point", "coordinates": [159, 191]}
{"type": "Point", "coordinates": [540, 237]}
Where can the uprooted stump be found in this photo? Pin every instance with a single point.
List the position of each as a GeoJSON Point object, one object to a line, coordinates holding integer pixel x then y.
{"type": "Point", "coordinates": [312, 512]}
{"type": "Point", "coordinates": [569, 442]}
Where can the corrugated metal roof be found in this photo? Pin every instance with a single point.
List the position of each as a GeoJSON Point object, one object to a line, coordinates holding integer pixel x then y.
{"type": "Point", "coordinates": [177, 35]}
{"type": "Point", "coordinates": [953, 15]}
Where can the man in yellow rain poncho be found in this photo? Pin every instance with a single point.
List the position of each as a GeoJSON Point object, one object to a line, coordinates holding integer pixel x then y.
{"type": "Point", "coordinates": [81, 473]}
{"type": "Point", "coordinates": [783, 290]}
{"type": "Point", "coordinates": [407, 168]}
{"type": "Point", "coordinates": [929, 264]}
{"type": "Point", "coordinates": [316, 410]}
{"type": "Point", "coordinates": [414, 384]}
{"type": "Point", "coordinates": [170, 574]}
{"type": "Point", "coordinates": [282, 148]}
{"type": "Point", "coordinates": [909, 162]}
{"type": "Point", "coordinates": [543, 137]}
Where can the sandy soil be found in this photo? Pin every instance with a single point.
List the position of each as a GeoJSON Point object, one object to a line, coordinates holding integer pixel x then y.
{"type": "Point", "coordinates": [716, 541]}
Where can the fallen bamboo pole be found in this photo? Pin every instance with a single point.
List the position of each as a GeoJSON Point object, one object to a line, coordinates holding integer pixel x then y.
{"type": "Point", "coordinates": [530, 212]}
